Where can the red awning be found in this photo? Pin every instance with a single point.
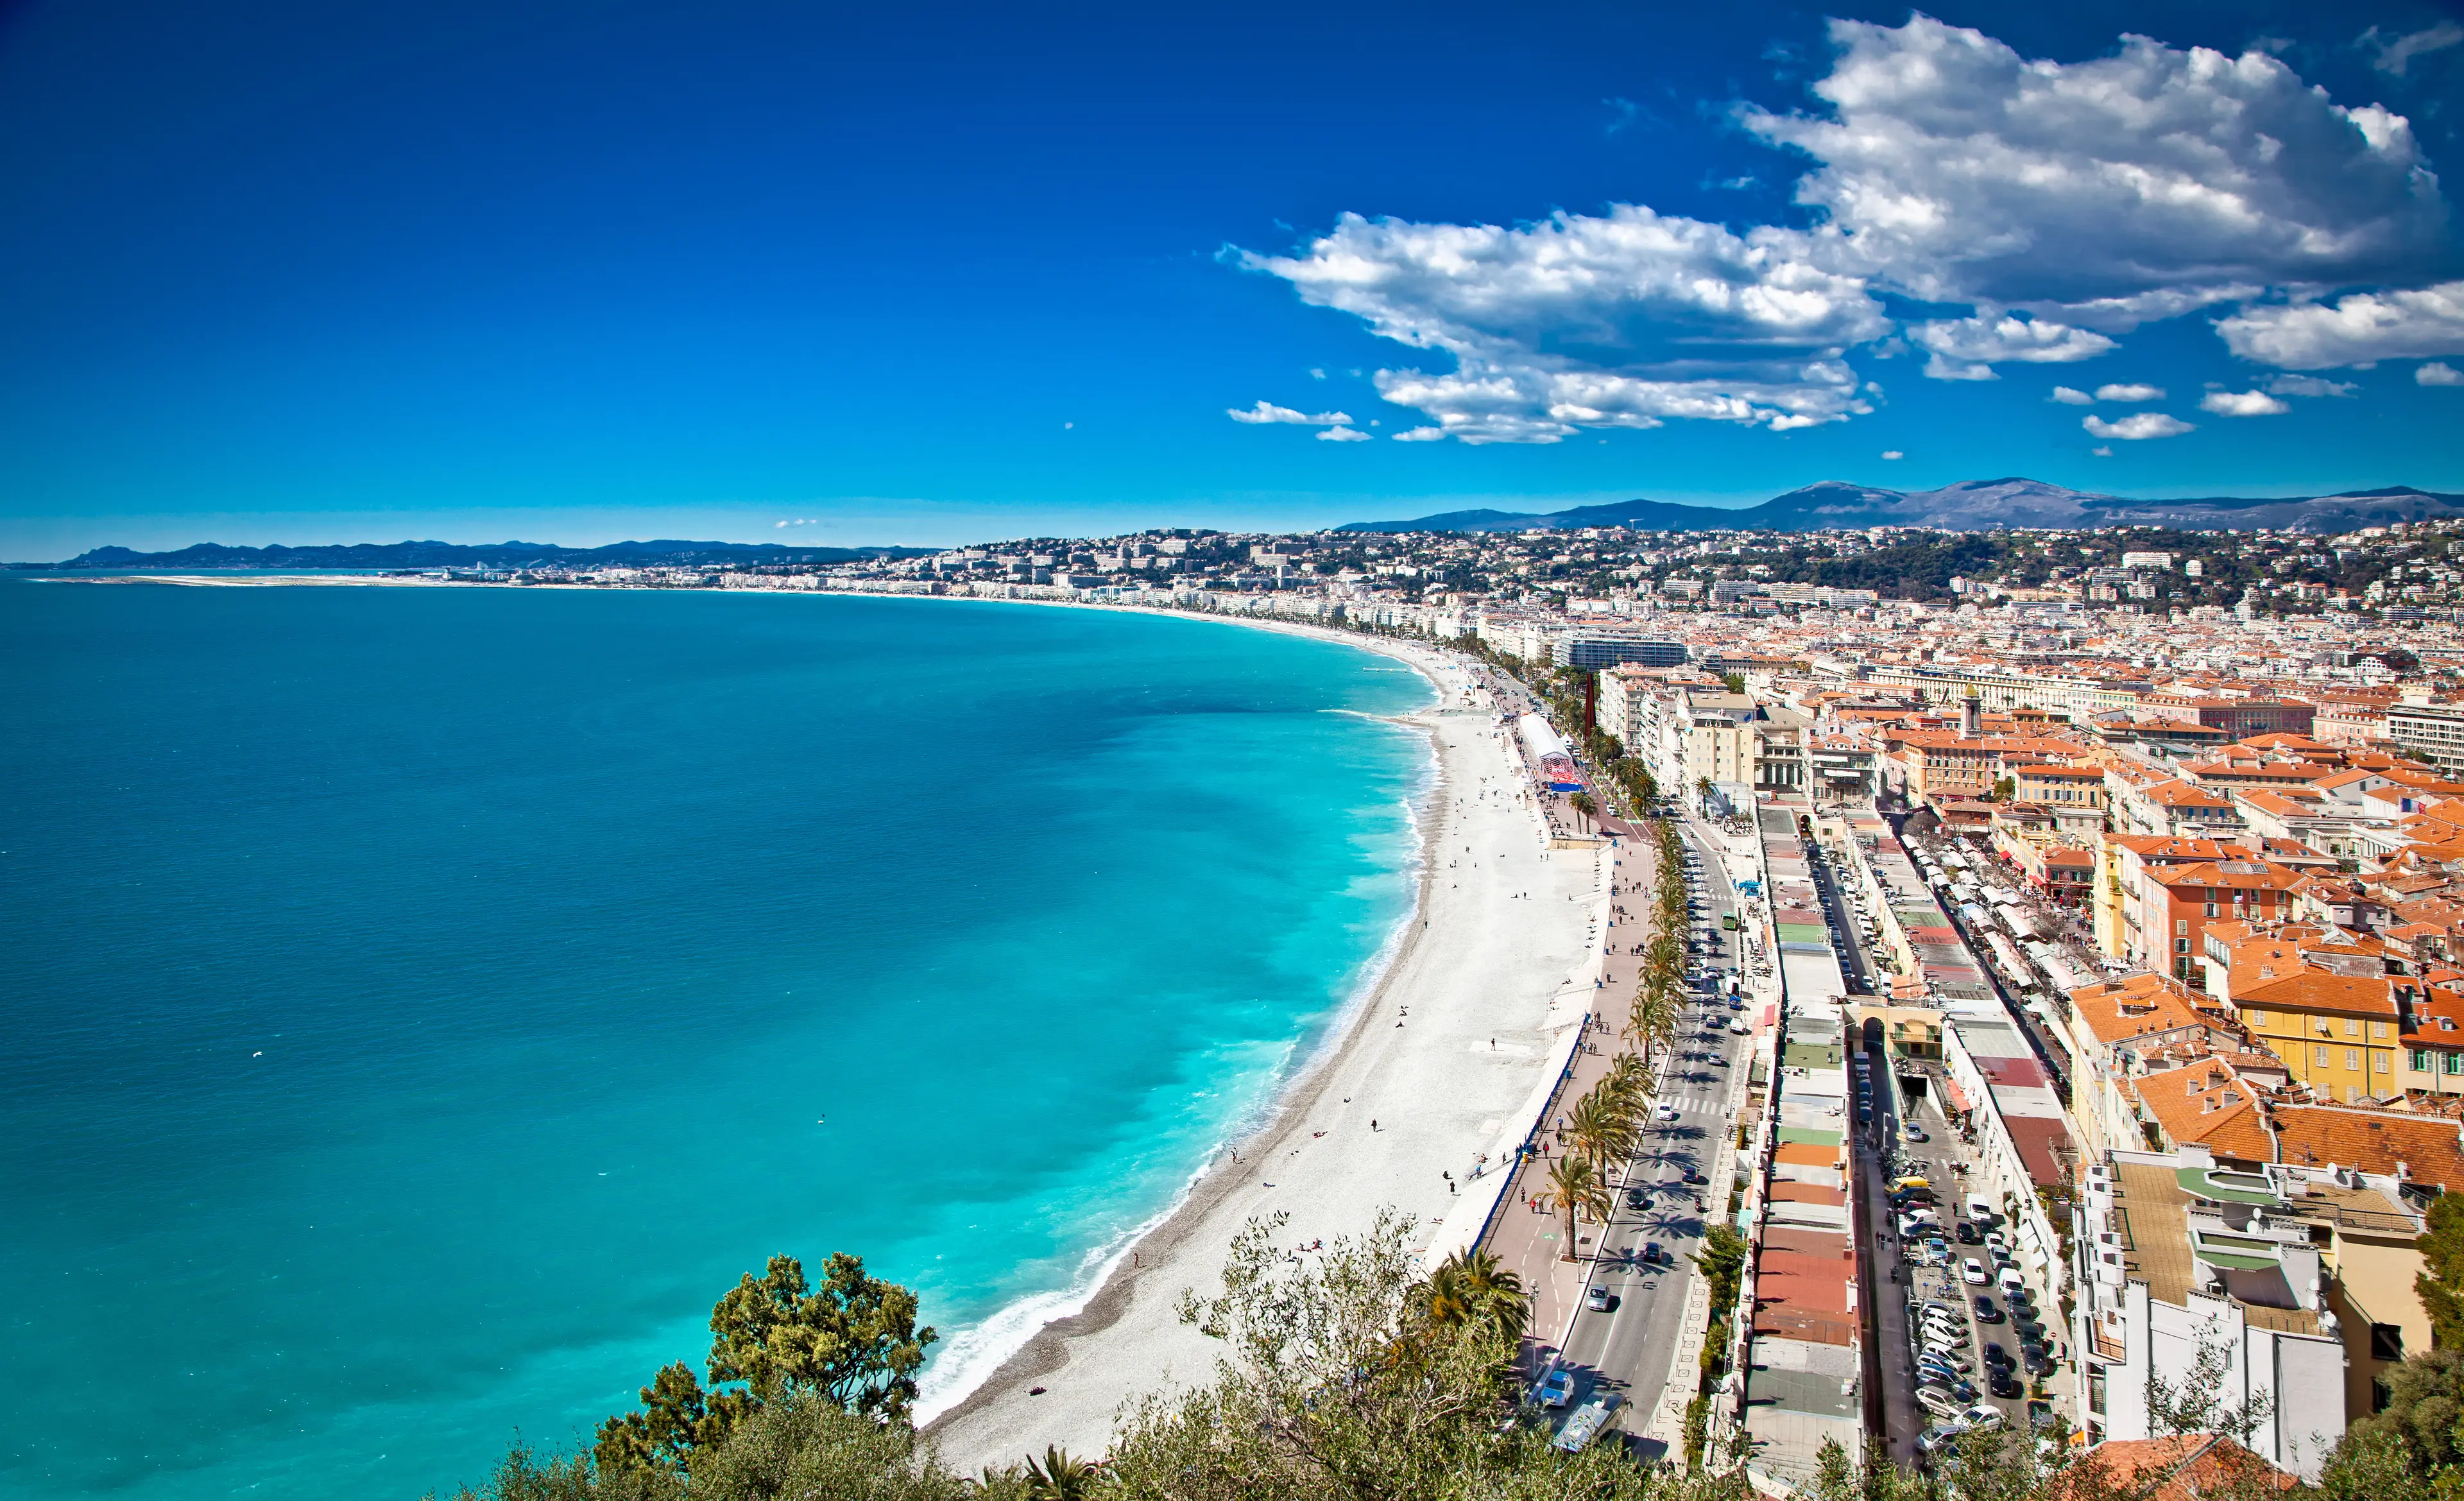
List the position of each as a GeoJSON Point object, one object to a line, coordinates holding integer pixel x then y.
{"type": "Point", "coordinates": [1954, 1096]}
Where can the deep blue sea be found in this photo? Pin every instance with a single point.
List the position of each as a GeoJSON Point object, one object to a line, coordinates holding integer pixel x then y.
{"type": "Point", "coordinates": [418, 1004]}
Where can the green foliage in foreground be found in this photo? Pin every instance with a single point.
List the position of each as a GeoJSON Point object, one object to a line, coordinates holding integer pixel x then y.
{"type": "Point", "coordinates": [1346, 1379]}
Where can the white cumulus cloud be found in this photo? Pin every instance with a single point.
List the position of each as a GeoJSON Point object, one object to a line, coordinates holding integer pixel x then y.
{"type": "Point", "coordinates": [2438, 373]}
{"type": "Point", "coordinates": [801, 520]}
{"type": "Point", "coordinates": [1893, 453]}
{"type": "Point", "coordinates": [1966, 348]}
{"type": "Point", "coordinates": [2129, 393]}
{"type": "Point", "coordinates": [2356, 329]}
{"type": "Point", "coordinates": [2243, 404]}
{"type": "Point", "coordinates": [2104, 192]}
{"type": "Point", "coordinates": [1420, 435]}
{"type": "Point", "coordinates": [1623, 320]}
{"type": "Point", "coordinates": [1343, 436]}
{"type": "Point", "coordinates": [2071, 397]}
{"type": "Point", "coordinates": [2136, 426]}
{"type": "Point", "coordinates": [2046, 208]}
{"type": "Point", "coordinates": [1269, 411]}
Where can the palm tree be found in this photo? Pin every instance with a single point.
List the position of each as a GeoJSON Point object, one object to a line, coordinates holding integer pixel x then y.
{"type": "Point", "coordinates": [1575, 1187]}
{"type": "Point", "coordinates": [1602, 1125]}
{"type": "Point", "coordinates": [1061, 1478]}
{"type": "Point", "coordinates": [1472, 1287]}
{"type": "Point", "coordinates": [1583, 805]}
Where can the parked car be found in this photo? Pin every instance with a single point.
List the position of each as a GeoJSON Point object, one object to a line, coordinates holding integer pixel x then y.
{"type": "Point", "coordinates": [1555, 1388]}
{"type": "Point", "coordinates": [1596, 1299]}
{"type": "Point", "coordinates": [1981, 1416]}
{"type": "Point", "coordinates": [1934, 1439]}
{"type": "Point", "coordinates": [1972, 1272]}
{"type": "Point", "coordinates": [1985, 1311]}
{"type": "Point", "coordinates": [1912, 1132]}
{"type": "Point", "coordinates": [1967, 1235]}
{"type": "Point", "coordinates": [1939, 1403]}
{"type": "Point", "coordinates": [2003, 1383]}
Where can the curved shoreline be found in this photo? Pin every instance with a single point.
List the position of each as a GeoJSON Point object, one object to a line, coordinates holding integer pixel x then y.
{"type": "Point", "coordinates": [1106, 1293]}
{"type": "Point", "coordinates": [1483, 989]}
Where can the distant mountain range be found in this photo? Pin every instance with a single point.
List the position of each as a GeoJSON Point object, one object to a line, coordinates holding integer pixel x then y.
{"type": "Point", "coordinates": [452, 555]}
{"type": "Point", "coordinates": [1969, 506]}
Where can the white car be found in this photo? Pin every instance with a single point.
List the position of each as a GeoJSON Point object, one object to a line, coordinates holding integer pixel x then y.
{"type": "Point", "coordinates": [1669, 1113]}
{"type": "Point", "coordinates": [1970, 1271]}
{"type": "Point", "coordinates": [1981, 1416]}
{"type": "Point", "coordinates": [1939, 1403]}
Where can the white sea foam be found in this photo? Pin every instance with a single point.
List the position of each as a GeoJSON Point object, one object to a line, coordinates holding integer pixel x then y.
{"type": "Point", "coordinates": [973, 1354]}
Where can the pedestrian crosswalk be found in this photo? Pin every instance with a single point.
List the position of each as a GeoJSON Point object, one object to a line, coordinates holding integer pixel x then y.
{"type": "Point", "coordinates": [1699, 1107]}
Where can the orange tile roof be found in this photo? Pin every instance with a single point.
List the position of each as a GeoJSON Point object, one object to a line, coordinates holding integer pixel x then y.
{"type": "Point", "coordinates": [2372, 1140]}
{"type": "Point", "coordinates": [2207, 1104]}
{"type": "Point", "coordinates": [2311, 989]}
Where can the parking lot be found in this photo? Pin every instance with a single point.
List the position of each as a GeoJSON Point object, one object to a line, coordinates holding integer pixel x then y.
{"type": "Point", "coordinates": [1946, 1251]}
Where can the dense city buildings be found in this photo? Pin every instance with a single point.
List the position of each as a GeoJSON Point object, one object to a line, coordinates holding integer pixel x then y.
{"type": "Point", "coordinates": [2107, 886]}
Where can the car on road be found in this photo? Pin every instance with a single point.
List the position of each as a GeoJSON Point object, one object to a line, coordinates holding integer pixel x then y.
{"type": "Point", "coordinates": [1941, 1436]}
{"type": "Point", "coordinates": [1650, 1254]}
{"type": "Point", "coordinates": [1693, 1177]}
{"type": "Point", "coordinates": [1985, 1311]}
{"type": "Point", "coordinates": [2002, 1383]}
{"type": "Point", "coordinates": [1967, 1235]}
{"type": "Point", "coordinates": [1981, 1416]}
{"type": "Point", "coordinates": [1587, 1423]}
{"type": "Point", "coordinates": [1596, 1299]}
{"type": "Point", "coordinates": [1555, 1388]}
{"type": "Point", "coordinates": [1739, 1029]}
{"type": "Point", "coordinates": [1665, 1112]}
{"type": "Point", "coordinates": [1972, 1272]}
{"type": "Point", "coordinates": [1912, 1132]}
{"type": "Point", "coordinates": [1996, 1355]}
{"type": "Point", "coordinates": [1636, 1199]}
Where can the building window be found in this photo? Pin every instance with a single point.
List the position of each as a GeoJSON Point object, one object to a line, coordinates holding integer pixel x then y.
{"type": "Point", "coordinates": [2352, 1028]}
{"type": "Point", "coordinates": [2181, 945]}
{"type": "Point", "coordinates": [2258, 1018]}
{"type": "Point", "coordinates": [2321, 1061]}
{"type": "Point", "coordinates": [2387, 1343]}
{"type": "Point", "coordinates": [2378, 1030]}
{"type": "Point", "coordinates": [2379, 1062]}
{"type": "Point", "coordinates": [2352, 1061]}
{"type": "Point", "coordinates": [2211, 909]}
{"type": "Point", "coordinates": [2419, 1059]}
{"type": "Point", "coordinates": [2181, 927]}
{"type": "Point", "coordinates": [2455, 1063]}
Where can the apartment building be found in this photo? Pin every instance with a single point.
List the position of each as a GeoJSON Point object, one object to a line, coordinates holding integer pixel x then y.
{"type": "Point", "coordinates": [2285, 1271]}
{"type": "Point", "coordinates": [2176, 903]}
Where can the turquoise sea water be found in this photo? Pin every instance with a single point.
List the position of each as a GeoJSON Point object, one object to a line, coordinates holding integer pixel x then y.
{"type": "Point", "coordinates": [419, 1004]}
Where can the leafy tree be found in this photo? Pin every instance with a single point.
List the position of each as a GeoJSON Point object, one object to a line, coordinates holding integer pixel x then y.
{"type": "Point", "coordinates": [2415, 1445]}
{"type": "Point", "coordinates": [854, 1343]}
{"type": "Point", "coordinates": [2440, 1282]}
{"type": "Point", "coordinates": [1736, 682]}
{"type": "Point", "coordinates": [1583, 805]}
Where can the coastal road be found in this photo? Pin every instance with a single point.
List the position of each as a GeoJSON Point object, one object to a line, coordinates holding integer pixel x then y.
{"type": "Point", "coordinates": [1628, 1347]}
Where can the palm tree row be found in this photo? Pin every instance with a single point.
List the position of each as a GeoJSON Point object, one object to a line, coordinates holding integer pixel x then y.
{"type": "Point", "coordinates": [1602, 1128]}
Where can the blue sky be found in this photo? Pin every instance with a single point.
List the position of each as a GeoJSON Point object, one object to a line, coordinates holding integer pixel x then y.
{"type": "Point", "coordinates": [931, 272]}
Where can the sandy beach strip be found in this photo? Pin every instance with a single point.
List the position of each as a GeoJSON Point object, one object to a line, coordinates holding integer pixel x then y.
{"type": "Point", "coordinates": [1432, 1073]}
